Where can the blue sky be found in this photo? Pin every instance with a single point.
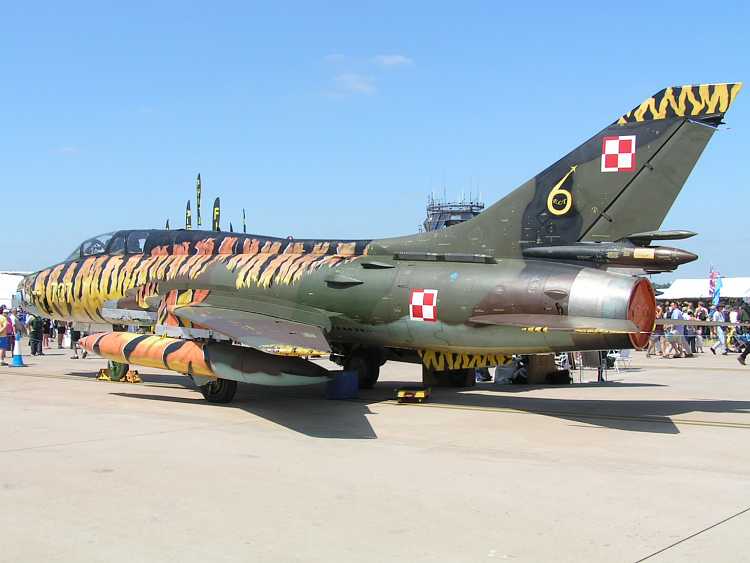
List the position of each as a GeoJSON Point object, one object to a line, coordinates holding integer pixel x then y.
{"type": "Point", "coordinates": [338, 118]}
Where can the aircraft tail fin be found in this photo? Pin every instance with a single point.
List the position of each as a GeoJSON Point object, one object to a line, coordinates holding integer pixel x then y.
{"type": "Point", "coordinates": [623, 180]}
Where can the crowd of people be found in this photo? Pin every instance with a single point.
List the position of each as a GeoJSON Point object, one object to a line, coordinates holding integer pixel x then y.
{"type": "Point", "coordinates": [676, 340]}
{"type": "Point", "coordinates": [41, 332]}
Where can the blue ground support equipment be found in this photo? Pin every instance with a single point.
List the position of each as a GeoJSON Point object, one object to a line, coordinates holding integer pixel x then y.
{"type": "Point", "coordinates": [344, 385]}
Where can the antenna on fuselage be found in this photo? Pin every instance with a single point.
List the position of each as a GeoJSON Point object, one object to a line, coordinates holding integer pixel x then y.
{"type": "Point", "coordinates": [198, 188]}
{"type": "Point", "coordinates": [188, 217]}
{"type": "Point", "coordinates": [216, 215]}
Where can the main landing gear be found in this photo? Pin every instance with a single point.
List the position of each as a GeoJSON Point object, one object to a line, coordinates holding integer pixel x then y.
{"type": "Point", "coordinates": [219, 391]}
{"type": "Point", "coordinates": [366, 362]}
{"type": "Point", "coordinates": [449, 378]}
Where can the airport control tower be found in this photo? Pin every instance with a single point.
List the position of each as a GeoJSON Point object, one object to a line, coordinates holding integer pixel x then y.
{"type": "Point", "coordinates": [444, 214]}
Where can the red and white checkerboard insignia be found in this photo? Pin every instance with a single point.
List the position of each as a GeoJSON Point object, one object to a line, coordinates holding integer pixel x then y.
{"type": "Point", "coordinates": [423, 305]}
{"type": "Point", "coordinates": [618, 154]}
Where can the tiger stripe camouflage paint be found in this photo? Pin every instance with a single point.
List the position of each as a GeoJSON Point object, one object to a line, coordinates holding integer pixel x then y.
{"type": "Point", "coordinates": [203, 359]}
{"type": "Point", "coordinates": [78, 289]}
{"type": "Point", "coordinates": [179, 298]}
{"type": "Point", "coordinates": [183, 356]}
{"type": "Point", "coordinates": [684, 101]}
{"type": "Point", "coordinates": [439, 360]}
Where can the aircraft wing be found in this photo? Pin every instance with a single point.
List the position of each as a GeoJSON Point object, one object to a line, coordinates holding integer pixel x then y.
{"type": "Point", "coordinates": [543, 323]}
{"type": "Point", "coordinates": [255, 329]}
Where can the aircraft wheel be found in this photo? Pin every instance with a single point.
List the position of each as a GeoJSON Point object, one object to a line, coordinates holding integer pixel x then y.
{"type": "Point", "coordinates": [461, 377]}
{"type": "Point", "coordinates": [219, 391]}
{"type": "Point", "coordinates": [367, 367]}
{"type": "Point", "coordinates": [448, 378]}
{"type": "Point", "coordinates": [117, 370]}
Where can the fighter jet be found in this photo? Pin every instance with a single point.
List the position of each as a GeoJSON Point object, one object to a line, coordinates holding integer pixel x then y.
{"type": "Point", "coordinates": [529, 275]}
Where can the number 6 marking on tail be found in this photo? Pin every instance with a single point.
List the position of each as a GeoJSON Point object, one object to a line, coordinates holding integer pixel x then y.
{"type": "Point", "coordinates": [560, 200]}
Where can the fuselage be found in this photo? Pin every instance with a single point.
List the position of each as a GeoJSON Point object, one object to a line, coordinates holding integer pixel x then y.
{"type": "Point", "coordinates": [364, 299]}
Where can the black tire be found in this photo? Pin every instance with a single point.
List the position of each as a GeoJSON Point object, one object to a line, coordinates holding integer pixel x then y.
{"type": "Point", "coordinates": [219, 391]}
{"type": "Point", "coordinates": [367, 367]}
{"type": "Point", "coordinates": [461, 377]}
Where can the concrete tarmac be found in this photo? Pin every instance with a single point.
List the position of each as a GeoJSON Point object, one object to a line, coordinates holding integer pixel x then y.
{"type": "Point", "coordinates": [653, 464]}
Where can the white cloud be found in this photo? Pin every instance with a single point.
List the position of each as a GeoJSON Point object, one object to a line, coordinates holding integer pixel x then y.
{"type": "Point", "coordinates": [355, 83]}
{"type": "Point", "coordinates": [391, 61]}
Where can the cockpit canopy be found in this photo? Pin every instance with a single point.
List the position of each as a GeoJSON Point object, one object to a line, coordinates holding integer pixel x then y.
{"type": "Point", "coordinates": [113, 243]}
{"type": "Point", "coordinates": [185, 242]}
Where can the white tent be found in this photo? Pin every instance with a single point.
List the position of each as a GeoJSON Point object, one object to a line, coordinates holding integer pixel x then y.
{"type": "Point", "coordinates": [8, 285]}
{"type": "Point", "coordinates": [734, 288]}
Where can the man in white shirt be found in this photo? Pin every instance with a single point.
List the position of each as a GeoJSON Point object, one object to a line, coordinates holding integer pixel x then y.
{"type": "Point", "coordinates": [718, 317]}
{"type": "Point", "coordinates": [677, 332]}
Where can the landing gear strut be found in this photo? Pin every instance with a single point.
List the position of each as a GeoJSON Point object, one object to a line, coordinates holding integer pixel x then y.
{"type": "Point", "coordinates": [367, 365]}
{"type": "Point", "coordinates": [117, 370]}
{"type": "Point", "coordinates": [219, 391]}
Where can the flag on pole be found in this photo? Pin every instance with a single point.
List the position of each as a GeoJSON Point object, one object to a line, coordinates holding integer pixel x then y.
{"type": "Point", "coordinates": [714, 286]}
{"type": "Point", "coordinates": [216, 215]}
{"type": "Point", "coordinates": [188, 217]}
{"type": "Point", "coordinates": [198, 199]}
{"type": "Point", "coordinates": [717, 293]}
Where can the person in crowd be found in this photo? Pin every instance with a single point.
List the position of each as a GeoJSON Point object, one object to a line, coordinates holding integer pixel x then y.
{"type": "Point", "coordinates": [10, 330]}
{"type": "Point", "coordinates": [19, 324]}
{"type": "Point", "coordinates": [46, 332]}
{"type": "Point", "coordinates": [734, 314]}
{"type": "Point", "coordinates": [59, 333]}
{"type": "Point", "coordinates": [3, 337]}
{"type": "Point", "coordinates": [36, 332]}
{"type": "Point", "coordinates": [718, 317]}
{"type": "Point", "coordinates": [701, 314]}
{"type": "Point", "coordinates": [654, 341]}
{"type": "Point", "coordinates": [667, 349]}
{"type": "Point", "coordinates": [745, 316]}
{"type": "Point", "coordinates": [75, 336]}
{"type": "Point", "coordinates": [677, 334]}
{"type": "Point", "coordinates": [690, 333]}
{"type": "Point", "coordinates": [699, 339]}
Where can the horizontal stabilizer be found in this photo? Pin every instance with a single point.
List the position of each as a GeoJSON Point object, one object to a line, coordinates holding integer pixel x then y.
{"type": "Point", "coordinates": [543, 323]}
